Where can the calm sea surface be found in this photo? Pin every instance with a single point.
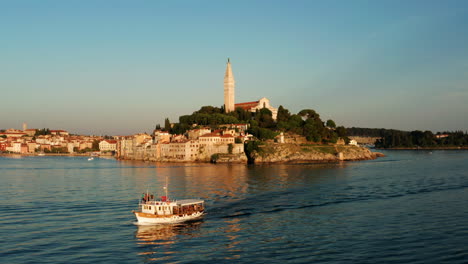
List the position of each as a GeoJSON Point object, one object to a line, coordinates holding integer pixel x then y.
{"type": "Point", "coordinates": [409, 207]}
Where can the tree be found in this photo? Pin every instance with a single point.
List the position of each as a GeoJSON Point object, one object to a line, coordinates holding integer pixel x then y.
{"type": "Point", "coordinates": [95, 145]}
{"type": "Point", "coordinates": [241, 114]}
{"type": "Point", "coordinates": [264, 117]}
{"type": "Point", "coordinates": [208, 109]}
{"type": "Point", "coordinates": [309, 113]}
{"type": "Point", "coordinates": [313, 130]}
{"type": "Point", "coordinates": [179, 128]}
{"type": "Point", "coordinates": [167, 124]}
{"type": "Point", "coordinates": [283, 114]}
{"type": "Point", "coordinates": [331, 123]}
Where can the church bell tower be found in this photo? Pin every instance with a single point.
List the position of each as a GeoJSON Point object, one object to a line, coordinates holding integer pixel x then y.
{"type": "Point", "coordinates": [229, 85]}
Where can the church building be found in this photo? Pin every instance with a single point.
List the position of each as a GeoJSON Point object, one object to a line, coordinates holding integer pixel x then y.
{"type": "Point", "coordinates": [229, 103]}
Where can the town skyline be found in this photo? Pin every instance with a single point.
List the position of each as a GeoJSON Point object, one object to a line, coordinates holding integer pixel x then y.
{"type": "Point", "coordinates": [121, 68]}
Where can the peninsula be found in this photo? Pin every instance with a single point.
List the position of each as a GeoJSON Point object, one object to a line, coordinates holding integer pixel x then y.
{"type": "Point", "coordinates": [253, 131]}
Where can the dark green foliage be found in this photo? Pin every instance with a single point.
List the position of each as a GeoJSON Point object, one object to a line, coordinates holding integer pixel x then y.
{"type": "Point", "coordinates": [417, 138]}
{"type": "Point", "coordinates": [95, 146]}
{"type": "Point", "coordinates": [295, 124]}
{"type": "Point", "coordinates": [262, 133]}
{"type": "Point", "coordinates": [249, 148]}
{"type": "Point", "coordinates": [83, 150]}
{"type": "Point", "coordinates": [241, 115]}
{"type": "Point", "coordinates": [44, 131]}
{"type": "Point", "coordinates": [283, 114]}
{"type": "Point", "coordinates": [331, 123]}
{"type": "Point", "coordinates": [306, 123]}
{"type": "Point", "coordinates": [313, 128]}
{"type": "Point", "coordinates": [179, 128]}
{"type": "Point", "coordinates": [210, 110]}
{"type": "Point", "coordinates": [57, 150]}
{"type": "Point", "coordinates": [366, 132]}
{"type": "Point", "coordinates": [208, 116]}
{"type": "Point", "coordinates": [167, 124]}
{"type": "Point", "coordinates": [214, 158]}
{"type": "Point", "coordinates": [230, 148]}
{"type": "Point", "coordinates": [264, 118]}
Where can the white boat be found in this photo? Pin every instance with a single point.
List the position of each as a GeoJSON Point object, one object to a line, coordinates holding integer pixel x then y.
{"type": "Point", "coordinates": [164, 211]}
{"type": "Point", "coordinates": [91, 158]}
{"type": "Point", "coordinates": [41, 154]}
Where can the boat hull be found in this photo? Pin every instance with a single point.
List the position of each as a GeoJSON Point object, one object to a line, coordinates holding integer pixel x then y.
{"type": "Point", "coordinates": [144, 218]}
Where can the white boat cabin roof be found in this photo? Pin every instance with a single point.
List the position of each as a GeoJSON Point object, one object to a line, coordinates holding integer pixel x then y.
{"type": "Point", "coordinates": [189, 201]}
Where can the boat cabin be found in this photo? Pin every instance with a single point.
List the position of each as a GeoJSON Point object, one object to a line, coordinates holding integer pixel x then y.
{"type": "Point", "coordinates": [165, 207]}
{"type": "Point", "coordinates": [157, 208]}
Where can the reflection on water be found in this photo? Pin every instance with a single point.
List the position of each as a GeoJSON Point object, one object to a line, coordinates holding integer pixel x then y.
{"type": "Point", "coordinates": [155, 240]}
{"type": "Point", "coordinates": [164, 233]}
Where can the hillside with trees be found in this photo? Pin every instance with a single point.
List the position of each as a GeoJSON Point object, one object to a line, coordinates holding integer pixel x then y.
{"type": "Point", "coordinates": [306, 122]}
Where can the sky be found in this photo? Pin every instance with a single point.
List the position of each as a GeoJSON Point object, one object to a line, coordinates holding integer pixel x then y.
{"type": "Point", "coordinates": [121, 67]}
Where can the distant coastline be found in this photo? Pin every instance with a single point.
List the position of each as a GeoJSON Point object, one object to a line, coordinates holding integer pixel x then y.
{"type": "Point", "coordinates": [426, 148]}
{"type": "Point", "coordinates": [50, 154]}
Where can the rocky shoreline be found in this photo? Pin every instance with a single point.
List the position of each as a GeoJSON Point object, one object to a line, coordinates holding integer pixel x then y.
{"type": "Point", "coordinates": [293, 153]}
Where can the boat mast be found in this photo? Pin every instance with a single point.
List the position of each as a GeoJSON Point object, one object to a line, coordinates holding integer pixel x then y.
{"type": "Point", "coordinates": [165, 188]}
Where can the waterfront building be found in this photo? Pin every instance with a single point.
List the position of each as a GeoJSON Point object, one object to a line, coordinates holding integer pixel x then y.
{"type": "Point", "coordinates": [45, 147]}
{"type": "Point", "coordinates": [24, 148]}
{"type": "Point", "coordinates": [108, 145]}
{"type": "Point", "coordinates": [141, 137]}
{"type": "Point", "coordinates": [30, 132]}
{"type": "Point", "coordinates": [161, 136]}
{"type": "Point", "coordinates": [196, 133]}
{"type": "Point", "coordinates": [32, 147]}
{"type": "Point", "coordinates": [16, 147]}
{"type": "Point", "coordinates": [3, 145]}
{"type": "Point", "coordinates": [182, 150]}
{"type": "Point", "coordinates": [13, 134]}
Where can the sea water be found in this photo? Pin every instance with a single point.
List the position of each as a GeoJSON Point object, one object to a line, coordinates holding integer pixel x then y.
{"type": "Point", "coordinates": [408, 207]}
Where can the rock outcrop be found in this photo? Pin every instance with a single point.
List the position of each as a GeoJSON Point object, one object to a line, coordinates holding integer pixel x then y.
{"type": "Point", "coordinates": [273, 152]}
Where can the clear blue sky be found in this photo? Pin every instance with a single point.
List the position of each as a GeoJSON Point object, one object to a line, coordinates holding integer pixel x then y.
{"type": "Point", "coordinates": [120, 67]}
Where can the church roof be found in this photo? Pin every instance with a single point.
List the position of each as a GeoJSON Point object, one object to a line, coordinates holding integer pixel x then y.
{"type": "Point", "coordinates": [247, 105]}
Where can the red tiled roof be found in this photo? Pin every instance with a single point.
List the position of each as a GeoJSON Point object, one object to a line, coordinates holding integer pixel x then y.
{"type": "Point", "coordinates": [247, 105]}
{"type": "Point", "coordinates": [211, 135]}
